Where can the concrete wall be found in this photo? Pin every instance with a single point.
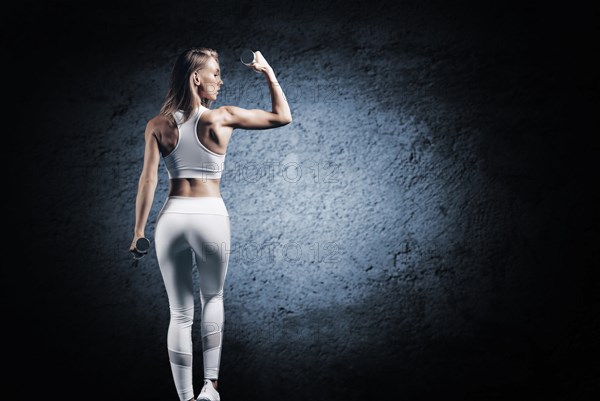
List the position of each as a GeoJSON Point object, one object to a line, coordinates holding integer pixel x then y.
{"type": "Point", "coordinates": [423, 230]}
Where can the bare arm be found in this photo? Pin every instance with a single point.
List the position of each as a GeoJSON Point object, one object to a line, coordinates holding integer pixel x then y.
{"type": "Point", "coordinates": [280, 114]}
{"type": "Point", "coordinates": [146, 184]}
{"type": "Point", "coordinates": [278, 100]}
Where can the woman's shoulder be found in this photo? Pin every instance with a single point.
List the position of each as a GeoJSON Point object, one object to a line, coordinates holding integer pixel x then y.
{"type": "Point", "coordinates": [160, 122]}
{"type": "Point", "coordinates": [216, 115]}
{"type": "Point", "coordinates": [159, 119]}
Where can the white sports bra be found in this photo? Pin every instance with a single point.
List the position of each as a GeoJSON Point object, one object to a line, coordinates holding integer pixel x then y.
{"type": "Point", "coordinates": [191, 159]}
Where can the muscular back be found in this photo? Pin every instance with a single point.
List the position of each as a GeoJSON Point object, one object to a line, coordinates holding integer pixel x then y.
{"type": "Point", "coordinates": [211, 132]}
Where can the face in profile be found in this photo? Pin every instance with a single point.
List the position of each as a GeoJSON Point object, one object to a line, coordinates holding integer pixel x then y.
{"type": "Point", "coordinates": [209, 80]}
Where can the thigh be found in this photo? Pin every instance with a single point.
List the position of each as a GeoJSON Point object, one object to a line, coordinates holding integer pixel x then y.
{"type": "Point", "coordinates": [210, 238]}
{"type": "Point", "coordinates": [174, 259]}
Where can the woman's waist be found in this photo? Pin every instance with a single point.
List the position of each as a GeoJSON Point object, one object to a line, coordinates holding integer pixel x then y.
{"type": "Point", "coordinates": [195, 205]}
{"type": "Point", "coordinates": [194, 187]}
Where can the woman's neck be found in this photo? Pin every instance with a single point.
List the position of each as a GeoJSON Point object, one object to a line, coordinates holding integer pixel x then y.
{"type": "Point", "coordinates": [196, 100]}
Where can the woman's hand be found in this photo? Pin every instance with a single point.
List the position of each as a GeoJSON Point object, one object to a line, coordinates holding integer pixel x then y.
{"type": "Point", "coordinates": [260, 65]}
{"type": "Point", "coordinates": [132, 246]}
{"type": "Point", "coordinates": [135, 253]}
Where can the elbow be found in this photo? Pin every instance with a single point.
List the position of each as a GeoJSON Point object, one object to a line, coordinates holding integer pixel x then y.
{"type": "Point", "coordinates": [148, 180]}
{"type": "Point", "coordinates": [287, 120]}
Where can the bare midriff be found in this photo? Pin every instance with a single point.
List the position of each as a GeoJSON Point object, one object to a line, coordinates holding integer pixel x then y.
{"type": "Point", "coordinates": [194, 187]}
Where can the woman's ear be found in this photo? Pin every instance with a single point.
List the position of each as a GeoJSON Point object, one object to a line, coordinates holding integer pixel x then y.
{"type": "Point", "coordinates": [196, 78]}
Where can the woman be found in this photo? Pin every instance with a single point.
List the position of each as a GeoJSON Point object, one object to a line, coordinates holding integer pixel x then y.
{"type": "Point", "coordinates": [193, 139]}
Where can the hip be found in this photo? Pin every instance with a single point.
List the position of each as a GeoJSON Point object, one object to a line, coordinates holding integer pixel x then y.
{"type": "Point", "coordinates": [194, 205]}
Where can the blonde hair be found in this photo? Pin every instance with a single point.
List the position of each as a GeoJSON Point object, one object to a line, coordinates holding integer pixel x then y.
{"type": "Point", "coordinates": [179, 96]}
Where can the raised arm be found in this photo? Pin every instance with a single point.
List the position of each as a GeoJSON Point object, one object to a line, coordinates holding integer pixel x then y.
{"type": "Point", "coordinates": [280, 114]}
{"type": "Point", "coordinates": [146, 184]}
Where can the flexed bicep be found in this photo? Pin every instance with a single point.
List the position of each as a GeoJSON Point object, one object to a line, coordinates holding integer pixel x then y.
{"type": "Point", "coordinates": [252, 119]}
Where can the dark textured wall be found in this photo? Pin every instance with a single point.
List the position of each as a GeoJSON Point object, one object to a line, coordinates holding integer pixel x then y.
{"type": "Point", "coordinates": [422, 229]}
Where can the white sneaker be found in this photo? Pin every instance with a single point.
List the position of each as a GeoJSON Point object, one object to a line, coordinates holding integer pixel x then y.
{"type": "Point", "coordinates": [208, 392]}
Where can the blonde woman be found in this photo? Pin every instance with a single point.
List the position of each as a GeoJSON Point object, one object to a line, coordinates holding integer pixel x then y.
{"type": "Point", "coordinates": [192, 139]}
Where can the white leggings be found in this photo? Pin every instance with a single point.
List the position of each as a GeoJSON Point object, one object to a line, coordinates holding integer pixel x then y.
{"type": "Point", "coordinates": [199, 225]}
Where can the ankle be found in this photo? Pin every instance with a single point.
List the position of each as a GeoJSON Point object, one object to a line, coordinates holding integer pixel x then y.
{"type": "Point", "coordinates": [214, 383]}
